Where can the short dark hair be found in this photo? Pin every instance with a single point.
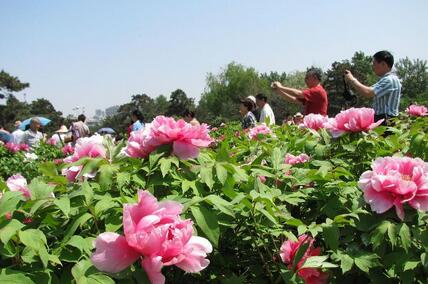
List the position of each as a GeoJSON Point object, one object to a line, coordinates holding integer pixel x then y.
{"type": "Point", "coordinates": [262, 97]}
{"type": "Point", "coordinates": [138, 114]}
{"type": "Point", "coordinates": [317, 72]}
{"type": "Point", "coordinates": [188, 112]}
{"type": "Point", "coordinates": [81, 117]}
{"type": "Point", "coordinates": [384, 56]}
{"type": "Point", "coordinates": [249, 104]}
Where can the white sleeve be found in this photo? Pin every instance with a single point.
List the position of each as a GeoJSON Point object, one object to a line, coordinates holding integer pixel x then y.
{"type": "Point", "coordinates": [263, 115]}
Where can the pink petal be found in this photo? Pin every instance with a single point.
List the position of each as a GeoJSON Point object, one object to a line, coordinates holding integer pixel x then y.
{"type": "Point", "coordinates": [185, 150]}
{"type": "Point", "coordinates": [195, 252]}
{"type": "Point", "coordinates": [379, 202]}
{"type": "Point", "coordinates": [153, 267]}
{"type": "Point", "coordinates": [112, 254]}
{"type": "Point", "coordinates": [399, 209]}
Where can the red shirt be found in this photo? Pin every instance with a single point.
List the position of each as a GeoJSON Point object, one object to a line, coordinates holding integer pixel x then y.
{"type": "Point", "coordinates": [315, 100]}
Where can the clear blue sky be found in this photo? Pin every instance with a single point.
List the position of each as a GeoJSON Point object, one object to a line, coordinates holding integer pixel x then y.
{"type": "Point", "coordinates": [98, 53]}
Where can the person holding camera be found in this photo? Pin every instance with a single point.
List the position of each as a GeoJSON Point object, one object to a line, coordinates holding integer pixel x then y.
{"type": "Point", "coordinates": [314, 98]}
{"type": "Point", "coordinates": [386, 92]}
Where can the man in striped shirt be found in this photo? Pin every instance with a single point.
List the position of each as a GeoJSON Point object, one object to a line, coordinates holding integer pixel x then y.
{"type": "Point", "coordinates": [386, 92]}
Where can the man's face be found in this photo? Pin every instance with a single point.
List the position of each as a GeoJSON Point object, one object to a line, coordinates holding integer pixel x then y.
{"type": "Point", "coordinates": [260, 103]}
{"type": "Point", "coordinates": [380, 68]}
{"type": "Point", "coordinates": [35, 125]}
{"type": "Point", "coordinates": [311, 80]}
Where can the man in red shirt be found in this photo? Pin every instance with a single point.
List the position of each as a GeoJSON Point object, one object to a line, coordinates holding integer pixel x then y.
{"type": "Point", "coordinates": [314, 98]}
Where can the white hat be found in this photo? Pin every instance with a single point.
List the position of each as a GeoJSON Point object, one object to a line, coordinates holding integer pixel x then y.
{"type": "Point", "coordinates": [252, 98]}
{"type": "Point", "coordinates": [298, 115]}
{"type": "Point", "coordinates": [62, 129]}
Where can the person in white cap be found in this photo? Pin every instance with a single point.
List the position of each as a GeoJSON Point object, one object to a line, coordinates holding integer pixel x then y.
{"type": "Point", "coordinates": [60, 135]}
{"type": "Point", "coordinates": [17, 134]}
{"type": "Point", "coordinates": [256, 110]}
{"type": "Point", "coordinates": [266, 113]}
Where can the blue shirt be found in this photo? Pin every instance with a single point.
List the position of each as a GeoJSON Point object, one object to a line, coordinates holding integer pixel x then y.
{"type": "Point", "coordinates": [137, 126]}
{"type": "Point", "coordinates": [387, 95]}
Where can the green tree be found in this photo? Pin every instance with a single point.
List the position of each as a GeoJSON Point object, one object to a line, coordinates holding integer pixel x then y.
{"type": "Point", "coordinates": [220, 101]}
{"type": "Point", "coordinates": [10, 84]}
{"type": "Point", "coordinates": [178, 101]}
{"type": "Point", "coordinates": [414, 76]}
{"type": "Point", "coordinates": [161, 105]}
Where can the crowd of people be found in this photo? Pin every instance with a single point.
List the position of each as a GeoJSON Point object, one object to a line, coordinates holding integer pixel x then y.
{"type": "Point", "coordinates": [385, 93]}
{"type": "Point", "coordinates": [32, 133]}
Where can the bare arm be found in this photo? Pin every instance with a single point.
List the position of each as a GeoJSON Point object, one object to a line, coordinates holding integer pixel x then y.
{"type": "Point", "coordinates": [286, 96]}
{"type": "Point", "coordinates": [291, 91]}
{"type": "Point", "coordinates": [361, 89]}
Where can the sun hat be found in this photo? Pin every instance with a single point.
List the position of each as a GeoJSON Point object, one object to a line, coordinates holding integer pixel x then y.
{"type": "Point", "coordinates": [62, 129]}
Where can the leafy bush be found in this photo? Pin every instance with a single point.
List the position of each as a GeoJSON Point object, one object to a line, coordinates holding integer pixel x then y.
{"type": "Point", "coordinates": [242, 197]}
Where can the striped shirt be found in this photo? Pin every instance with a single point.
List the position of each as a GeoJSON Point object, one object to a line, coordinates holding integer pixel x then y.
{"type": "Point", "coordinates": [387, 95]}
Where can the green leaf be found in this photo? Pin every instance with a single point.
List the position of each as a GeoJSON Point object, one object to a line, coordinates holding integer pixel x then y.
{"type": "Point", "coordinates": [221, 173]}
{"type": "Point", "coordinates": [410, 265]}
{"type": "Point", "coordinates": [63, 204]}
{"type": "Point", "coordinates": [79, 269]}
{"type": "Point", "coordinates": [77, 242]}
{"type": "Point", "coordinates": [207, 221]}
{"type": "Point", "coordinates": [277, 159]}
{"type": "Point", "coordinates": [331, 236]}
{"type": "Point", "coordinates": [223, 205]}
{"type": "Point", "coordinates": [404, 234]}
{"type": "Point", "coordinates": [377, 236]}
{"type": "Point", "coordinates": [207, 176]}
{"type": "Point", "coordinates": [123, 178]}
{"type": "Point", "coordinates": [300, 252]}
{"type": "Point", "coordinates": [346, 262]}
{"type": "Point", "coordinates": [37, 205]}
{"type": "Point", "coordinates": [9, 201]}
{"type": "Point", "coordinates": [317, 262]}
{"type": "Point", "coordinates": [366, 261]}
{"type": "Point", "coordinates": [15, 278]}
{"type": "Point", "coordinates": [165, 166]}
{"type": "Point", "coordinates": [100, 279]}
{"type": "Point", "coordinates": [33, 238]}
{"type": "Point", "coordinates": [103, 205]}
{"type": "Point", "coordinates": [88, 192]}
{"type": "Point", "coordinates": [78, 222]}
{"type": "Point", "coordinates": [40, 190]}
{"type": "Point", "coordinates": [10, 230]}
{"type": "Point", "coordinates": [106, 174]}
{"type": "Point", "coordinates": [392, 234]}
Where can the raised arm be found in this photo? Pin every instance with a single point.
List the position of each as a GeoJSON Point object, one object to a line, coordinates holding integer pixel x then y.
{"type": "Point", "coordinates": [290, 91]}
{"type": "Point", "coordinates": [360, 88]}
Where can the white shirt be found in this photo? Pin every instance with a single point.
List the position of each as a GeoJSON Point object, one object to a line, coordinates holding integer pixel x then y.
{"type": "Point", "coordinates": [265, 113]}
{"type": "Point", "coordinates": [18, 136]}
{"type": "Point", "coordinates": [31, 138]}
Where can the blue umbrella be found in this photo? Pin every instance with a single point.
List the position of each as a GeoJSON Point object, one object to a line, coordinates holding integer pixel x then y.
{"type": "Point", "coordinates": [107, 130]}
{"type": "Point", "coordinates": [43, 121]}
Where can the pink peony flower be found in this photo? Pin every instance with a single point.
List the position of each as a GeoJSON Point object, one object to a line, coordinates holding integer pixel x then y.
{"type": "Point", "coordinates": [288, 251]}
{"type": "Point", "coordinates": [259, 131]}
{"type": "Point", "coordinates": [51, 141]}
{"type": "Point", "coordinates": [315, 121]}
{"type": "Point", "coordinates": [18, 183]}
{"type": "Point", "coordinates": [416, 110]}
{"type": "Point", "coordinates": [154, 232]}
{"type": "Point", "coordinates": [293, 160]}
{"type": "Point", "coordinates": [24, 147]}
{"type": "Point", "coordinates": [91, 147]}
{"type": "Point", "coordinates": [394, 181]}
{"type": "Point", "coordinates": [262, 179]}
{"type": "Point", "coordinates": [353, 120]}
{"type": "Point", "coordinates": [186, 139]}
{"type": "Point", "coordinates": [68, 149]}
{"type": "Point", "coordinates": [12, 147]}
